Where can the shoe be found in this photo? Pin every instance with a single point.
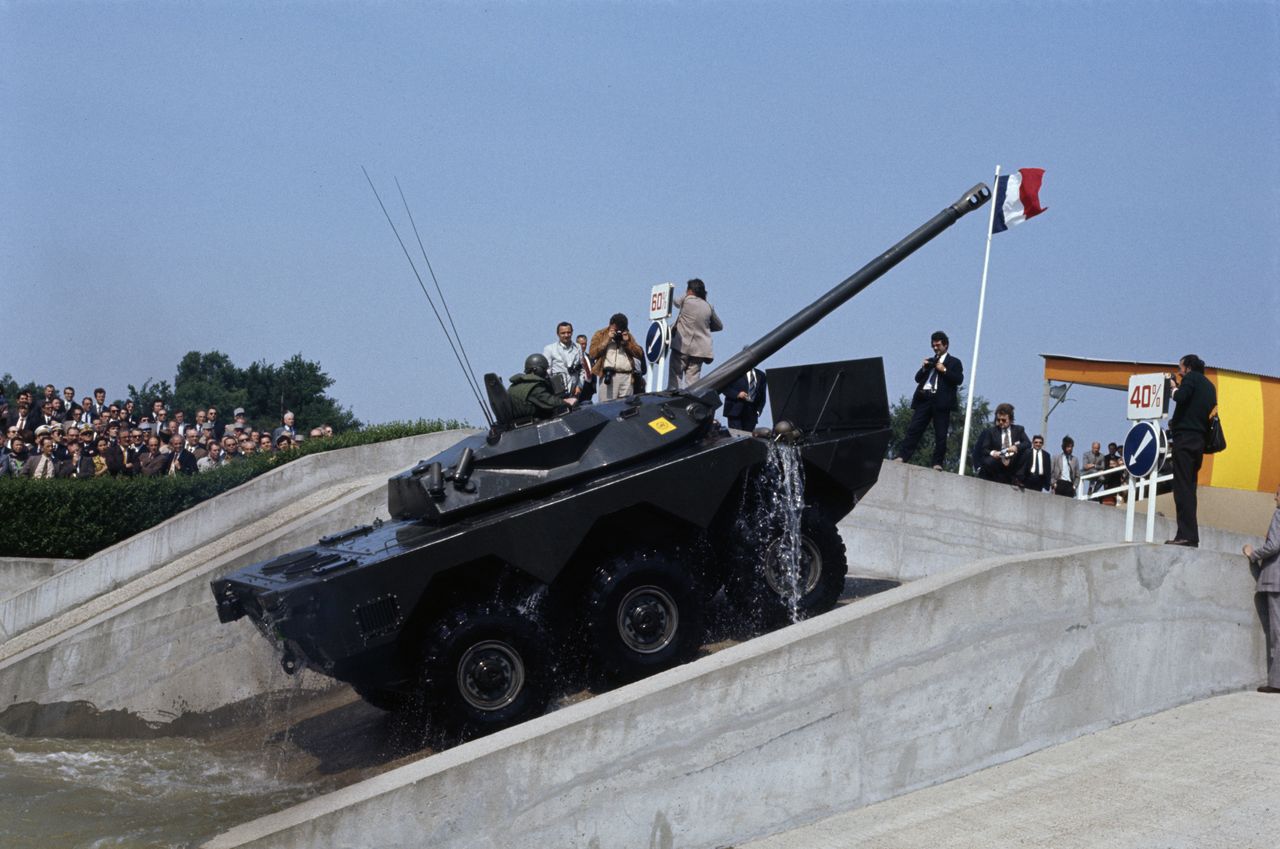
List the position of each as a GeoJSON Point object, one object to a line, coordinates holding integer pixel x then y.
{"type": "Point", "coordinates": [1188, 543]}
{"type": "Point", "coordinates": [937, 468]}
{"type": "Point", "coordinates": [898, 460]}
{"type": "Point", "coordinates": [1269, 689]}
{"type": "Point", "coordinates": [1019, 487]}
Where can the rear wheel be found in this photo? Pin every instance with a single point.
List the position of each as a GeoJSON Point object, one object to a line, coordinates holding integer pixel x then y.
{"type": "Point", "coordinates": [484, 668]}
{"type": "Point", "coordinates": [644, 613]}
{"type": "Point", "coordinates": [793, 576]}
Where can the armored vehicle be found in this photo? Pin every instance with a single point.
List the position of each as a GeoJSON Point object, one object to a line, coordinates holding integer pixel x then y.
{"type": "Point", "coordinates": [605, 530]}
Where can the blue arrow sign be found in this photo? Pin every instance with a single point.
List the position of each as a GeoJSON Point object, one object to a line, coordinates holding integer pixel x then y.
{"type": "Point", "coordinates": [1142, 449]}
{"type": "Point", "coordinates": [655, 342]}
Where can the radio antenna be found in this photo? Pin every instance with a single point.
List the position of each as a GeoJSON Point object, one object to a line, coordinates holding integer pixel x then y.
{"type": "Point", "coordinates": [432, 271]}
{"type": "Point", "coordinates": [470, 377]}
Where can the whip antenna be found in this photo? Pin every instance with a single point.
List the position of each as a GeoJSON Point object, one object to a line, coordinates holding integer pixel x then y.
{"type": "Point", "coordinates": [471, 381]}
{"type": "Point", "coordinates": [432, 271]}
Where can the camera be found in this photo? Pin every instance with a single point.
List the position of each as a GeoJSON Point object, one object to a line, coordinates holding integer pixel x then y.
{"type": "Point", "coordinates": [617, 336]}
{"type": "Point", "coordinates": [608, 376]}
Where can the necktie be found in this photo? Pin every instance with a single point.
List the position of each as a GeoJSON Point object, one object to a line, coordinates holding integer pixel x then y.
{"type": "Point", "coordinates": [1036, 467]}
{"type": "Point", "coordinates": [1004, 437]}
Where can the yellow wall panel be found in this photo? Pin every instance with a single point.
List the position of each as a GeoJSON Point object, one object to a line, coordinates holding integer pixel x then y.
{"type": "Point", "coordinates": [1240, 408]}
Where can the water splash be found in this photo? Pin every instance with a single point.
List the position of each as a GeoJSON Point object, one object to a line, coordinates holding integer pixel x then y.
{"type": "Point", "coordinates": [770, 519]}
{"type": "Point", "coordinates": [134, 793]}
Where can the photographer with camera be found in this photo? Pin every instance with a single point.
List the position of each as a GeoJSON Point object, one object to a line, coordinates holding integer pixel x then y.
{"type": "Point", "coordinates": [614, 352]}
{"type": "Point", "coordinates": [1002, 449]}
{"type": "Point", "coordinates": [565, 359]}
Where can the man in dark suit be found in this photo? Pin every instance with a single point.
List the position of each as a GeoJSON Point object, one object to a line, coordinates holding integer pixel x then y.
{"type": "Point", "coordinates": [1002, 449]}
{"type": "Point", "coordinates": [1039, 465]}
{"type": "Point", "coordinates": [934, 399]}
{"type": "Point", "coordinates": [744, 400]}
{"type": "Point", "coordinates": [179, 460]}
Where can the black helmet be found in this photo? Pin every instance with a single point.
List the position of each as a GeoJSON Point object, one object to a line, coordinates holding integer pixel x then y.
{"type": "Point", "coordinates": [536, 364]}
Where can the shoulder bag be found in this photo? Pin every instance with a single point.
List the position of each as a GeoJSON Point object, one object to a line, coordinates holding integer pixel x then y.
{"type": "Point", "coordinates": [1215, 441]}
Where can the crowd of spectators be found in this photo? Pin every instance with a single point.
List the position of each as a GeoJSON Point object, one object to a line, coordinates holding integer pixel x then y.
{"type": "Point", "coordinates": [54, 436]}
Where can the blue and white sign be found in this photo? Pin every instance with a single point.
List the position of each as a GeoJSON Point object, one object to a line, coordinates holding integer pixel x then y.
{"type": "Point", "coordinates": [1143, 448]}
{"type": "Point", "coordinates": [655, 341]}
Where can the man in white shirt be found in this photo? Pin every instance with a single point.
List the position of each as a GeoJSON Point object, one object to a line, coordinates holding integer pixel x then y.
{"type": "Point", "coordinates": [565, 359]}
{"type": "Point", "coordinates": [1038, 465]}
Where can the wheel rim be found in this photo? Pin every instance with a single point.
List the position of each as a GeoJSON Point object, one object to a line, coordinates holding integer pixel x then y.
{"type": "Point", "coordinates": [787, 581]}
{"type": "Point", "coordinates": [490, 675]}
{"type": "Point", "coordinates": [648, 618]}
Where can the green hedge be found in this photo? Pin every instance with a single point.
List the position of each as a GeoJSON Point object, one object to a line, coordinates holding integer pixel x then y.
{"type": "Point", "coordinates": [76, 518]}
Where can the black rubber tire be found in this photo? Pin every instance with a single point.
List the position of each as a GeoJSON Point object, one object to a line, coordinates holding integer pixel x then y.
{"type": "Point", "coordinates": [643, 614]}
{"type": "Point", "coordinates": [484, 667]}
{"type": "Point", "coordinates": [757, 583]}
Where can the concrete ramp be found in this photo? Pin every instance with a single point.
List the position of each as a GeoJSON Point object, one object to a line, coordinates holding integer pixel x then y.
{"type": "Point", "coordinates": [151, 652]}
{"type": "Point", "coordinates": [150, 657]}
{"type": "Point", "coordinates": [927, 682]}
{"type": "Point", "coordinates": [208, 522]}
{"type": "Point", "coordinates": [1201, 775]}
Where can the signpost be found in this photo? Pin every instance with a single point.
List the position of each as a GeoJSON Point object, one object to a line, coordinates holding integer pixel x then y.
{"type": "Point", "coordinates": [658, 338]}
{"type": "Point", "coordinates": [1145, 446]}
{"type": "Point", "coordinates": [1147, 397]}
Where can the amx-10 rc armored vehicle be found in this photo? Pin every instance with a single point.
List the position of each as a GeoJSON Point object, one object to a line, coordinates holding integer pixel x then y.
{"type": "Point", "coordinates": [606, 529]}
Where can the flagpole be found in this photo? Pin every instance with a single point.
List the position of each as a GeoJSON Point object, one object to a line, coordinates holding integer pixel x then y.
{"type": "Point", "coordinates": [977, 335]}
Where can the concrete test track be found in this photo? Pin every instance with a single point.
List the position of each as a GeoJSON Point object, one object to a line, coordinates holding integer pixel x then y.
{"type": "Point", "coordinates": [924, 683]}
{"type": "Point", "coordinates": [977, 662]}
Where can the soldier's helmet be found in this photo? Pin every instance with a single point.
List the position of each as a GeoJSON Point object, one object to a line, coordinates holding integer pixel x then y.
{"type": "Point", "coordinates": [536, 364]}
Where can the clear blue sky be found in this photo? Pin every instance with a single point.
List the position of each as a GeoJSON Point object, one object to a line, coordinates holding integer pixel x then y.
{"type": "Point", "coordinates": [187, 176]}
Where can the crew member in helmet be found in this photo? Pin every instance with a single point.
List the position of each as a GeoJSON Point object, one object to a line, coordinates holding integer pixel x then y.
{"type": "Point", "coordinates": [532, 395]}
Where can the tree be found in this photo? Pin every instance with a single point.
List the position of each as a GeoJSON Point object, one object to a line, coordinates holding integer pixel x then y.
{"type": "Point", "coordinates": [900, 417]}
{"type": "Point", "coordinates": [209, 380]}
{"type": "Point", "coordinates": [299, 385]}
{"type": "Point", "coordinates": [10, 387]}
{"type": "Point", "coordinates": [150, 392]}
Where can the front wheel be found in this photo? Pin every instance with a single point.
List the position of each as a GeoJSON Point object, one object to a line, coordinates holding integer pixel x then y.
{"type": "Point", "coordinates": [484, 668]}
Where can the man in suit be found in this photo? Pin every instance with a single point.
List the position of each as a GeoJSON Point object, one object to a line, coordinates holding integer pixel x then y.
{"type": "Point", "coordinates": [1039, 463]}
{"type": "Point", "coordinates": [744, 400]}
{"type": "Point", "coordinates": [935, 397]}
{"type": "Point", "coordinates": [99, 404]}
{"type": "Point", "coordinates": [178, 460]}
{"type": "Point", "coordinates": [1001, 449]}
{"type": "Point", "coordinates": [42, 465]}
{"type": "Point", "coordinates": [217, 428]}
{"type": "Point", "coordinates": [691, 335]}
{"type": "Point", "coordinates": [1066, 470]}
{"type": "Point", "coordinates": [1267, 559]}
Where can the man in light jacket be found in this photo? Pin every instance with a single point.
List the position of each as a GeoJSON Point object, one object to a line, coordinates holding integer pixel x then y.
{"type": "Point", "coordinates": [1066, 470]}
{"type": "Point", "coordinates": [1268, 559]}
{"type": "Point", "coordinates": [691, 336]}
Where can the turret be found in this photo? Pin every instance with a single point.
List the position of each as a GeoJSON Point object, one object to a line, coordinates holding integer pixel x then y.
{"type": "Point", "coordinates": [516, 462]}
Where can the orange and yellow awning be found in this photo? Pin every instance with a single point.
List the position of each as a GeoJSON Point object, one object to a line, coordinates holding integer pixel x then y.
{"type": "Point", "coordinates": [1248, 404]}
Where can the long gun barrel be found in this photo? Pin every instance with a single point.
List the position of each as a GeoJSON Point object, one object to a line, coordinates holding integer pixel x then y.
{"type": "Point", "coordinates": [756, 353]}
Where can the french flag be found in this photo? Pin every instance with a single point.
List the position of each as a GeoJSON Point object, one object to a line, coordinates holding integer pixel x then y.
{"type": "Point", "coordinates": [1017, 198]}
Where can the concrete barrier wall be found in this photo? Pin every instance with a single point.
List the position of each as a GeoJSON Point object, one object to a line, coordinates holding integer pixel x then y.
{"type": "Point", "coordinates": [139, 554]}
{"type": "Point", "coordinates": [914, 686]}
{"type": "Point", "coordinates": [160, 656]}
{"type": "Point", "coordinates": [917, 522]}
{"type": "Point", "coordinates": [19, 573]}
